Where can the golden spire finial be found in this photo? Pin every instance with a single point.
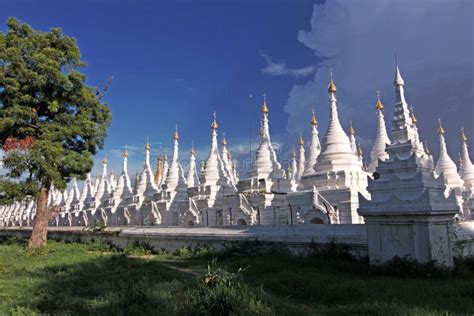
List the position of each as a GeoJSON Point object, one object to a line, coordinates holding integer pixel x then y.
{"type": "Point", "coordinates": [412, 115]}
{"type": "Point", "coordinates": [463, 135]}
{"type": "Point", "coordinates": [294, 152]}
{"type": "Point", "coordinates": [166, 155]}
{"type": "Point", "coordinates": [379, 105]}
{"type": "Point", "coordinates": [440, 128]}
{"type": "Point", "coordinates": [301, 140]}
{"type": "Point", "coordinates": [125, 153]}
{"type": "Point", "coordinates": [214, 121]}
{"type": "Point", "coordinates": [147, 145]}
{"type": "Point", "coordinates": [176, 135]}
{"type": "Point", "coordinates": [313, 119]}
{"type": "Point", "coordinates": [224, 140]}
{"type": "Point", "coordinates": [351, 129]}
{"type": "Point", "coordinates": [264, 106]}
{"type": "Point", "coordinates": [459, 159]}
{"type": "Point", "coordinates": [332, 85]}
{"type": "Point", "coordinates": [104, 161]}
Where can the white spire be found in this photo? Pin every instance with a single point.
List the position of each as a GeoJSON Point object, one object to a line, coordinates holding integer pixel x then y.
{"type": "Point", "coordinates": [403, 124]}
{"type": "Point", "coordinates": [314, 147]}
{"type": "Point", "coordinates": [112, 181]}
{"type": "Point", "coordinates": [337, 159]}
{"type": "Point", "coordinates": [398, 81]}
{"type": "Point", "coordinates": [211, 172]}
{"type": "Point", "coordinates": [225, 159]}
{"type": "Point", "coordinates": [146, 185]}
{"type": "Point", "coordinates": [165, 169]}
{"type": "Point", "coordinates": [293, 167]}
{"type": "Point", "coordinates": [445, 164]}
{"type": "Point", "coordinates": [192, 177]}
{"type": "Point", "coordinates": [215, 172]}
{"type": "Point", "coordinates": [102, 191]}
{"type": "Point", "coordinates": [74, 194]}
{"type": "Point", "coordinates": [124, 187]}
{"type": "Point", "coordinates": [335, 144]}
{"type": "Point", "coordinates": [381, 139]}
{"type": "Point", "coordinates": [352, 137]}
{"type": "Point", "coordinates": [466, 169]}
{"type": "Point", "coordinates": [266, 163]}
{"type": "Point", "coordinates": [173, 172]}
{"type": "Point", "coordinates": [87, 194]}
{"type": "Point", "coordinates": [301, 161]}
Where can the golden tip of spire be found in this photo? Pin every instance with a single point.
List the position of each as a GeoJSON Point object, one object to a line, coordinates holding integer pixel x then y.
{"type": "Point", "coordinates": [440, 128]}
{"type": "Point", "coordinates": [214, 122]}
{"type": "Point", "coordinates": [166, 156]}
{"type": "Point", "coordinates": [412, 115]}
{"type": "Point", "coordinates": [351, 129]}
{"type": "Point", "coordinates": [294, 152]}
{"type": "Point", "coordinates": [264, 105]}
{"type": "Point", "coordinates": [125, 153]}
{"type": "Point", "coordinates": [463, 135]}
{"type": "Point", "coordinates": [224, 141]}
{"type": "Point", "coordinates": [379, 105]}
{"type": "Point", "coordinates": [301, 140]}
{"type": "Point", "coordinates": [104, 161]}
{"type": "Point", "coordinates": [313, 119]}
{"type": "Point", "coordinates": [460, 159]}
{"type": "Point", "coordinates": [332, 86]}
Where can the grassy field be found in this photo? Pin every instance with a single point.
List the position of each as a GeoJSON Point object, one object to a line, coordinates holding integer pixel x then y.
{"type": "Point", "coordinates": [80, 279]}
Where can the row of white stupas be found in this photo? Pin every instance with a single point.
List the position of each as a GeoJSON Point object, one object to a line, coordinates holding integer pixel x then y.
{"type": "Point", "coordinates": [327, 184]}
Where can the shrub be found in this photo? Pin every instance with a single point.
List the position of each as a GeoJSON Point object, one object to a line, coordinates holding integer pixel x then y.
{"type": "Point", "coordinates": [139, 248]}
{"type": "Point", "coordinates": [220, 292]}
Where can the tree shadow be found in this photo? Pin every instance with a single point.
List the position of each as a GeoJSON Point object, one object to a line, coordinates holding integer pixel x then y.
{"type": "Point", "coordinates": [110, 285]}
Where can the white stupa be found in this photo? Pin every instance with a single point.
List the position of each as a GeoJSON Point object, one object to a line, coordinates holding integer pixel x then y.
{"type": "Point", "coordinates": [381, 138]}
{"type": "Point", "coordinates": [146, 186]}
{"type": "Point", "coordinates": [446, 166]}
{"type": "Point", "coordinates": [192, 177]}
{"type": "Point", "coordinates": [314, 148]}
{"type": "Point", "coordinates": [338, 173]}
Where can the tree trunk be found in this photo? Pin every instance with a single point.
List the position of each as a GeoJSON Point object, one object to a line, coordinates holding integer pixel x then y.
{"type": "Point", "coordinates": [40, 224]}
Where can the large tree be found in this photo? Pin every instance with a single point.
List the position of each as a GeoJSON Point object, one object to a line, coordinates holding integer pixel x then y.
{"type": "Point", "coordinates": [51, 122]}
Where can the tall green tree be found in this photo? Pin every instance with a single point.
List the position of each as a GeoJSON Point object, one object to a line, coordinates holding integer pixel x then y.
{"type": "Point", "coordinates": [51, 122]}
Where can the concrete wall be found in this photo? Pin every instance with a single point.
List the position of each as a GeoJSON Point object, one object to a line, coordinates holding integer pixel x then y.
{"type": "Point", "coordinates": [297, 239]}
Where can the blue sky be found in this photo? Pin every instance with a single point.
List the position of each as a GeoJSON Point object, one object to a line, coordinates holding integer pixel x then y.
{"type": "Point", "coordinates": [175, 62]}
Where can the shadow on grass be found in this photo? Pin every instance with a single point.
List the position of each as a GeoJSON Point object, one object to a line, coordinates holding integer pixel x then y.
{"type": "Point", "coordinates": [110, 285]}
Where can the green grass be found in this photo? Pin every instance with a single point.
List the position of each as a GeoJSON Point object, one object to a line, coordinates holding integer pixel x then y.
{"type": "Point", "coordinates": [82, 279]}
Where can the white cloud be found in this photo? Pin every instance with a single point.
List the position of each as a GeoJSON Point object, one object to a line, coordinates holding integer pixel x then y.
{"type": "Point", "coordinates": [280, 69]}
{"type": "Point", "coordinates": [434, 43]}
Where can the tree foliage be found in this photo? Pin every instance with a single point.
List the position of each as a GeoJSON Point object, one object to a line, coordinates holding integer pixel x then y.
{"type": "Point", "coordinates": [51, 121]}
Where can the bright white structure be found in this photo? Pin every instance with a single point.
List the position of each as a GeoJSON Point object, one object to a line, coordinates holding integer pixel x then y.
{"type": "Point", "coordinates": [408, 213]}
{"type": "Point", "coordinates": [326, 183]}
{"type": "Point", "coordinates": [338, 173]}
{"type": "Point", "coordinates": [381, 138]}
{"type": "Point", "coordinates": [314, 147]}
